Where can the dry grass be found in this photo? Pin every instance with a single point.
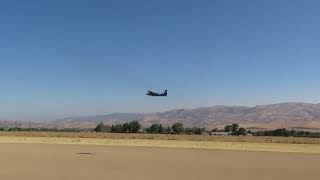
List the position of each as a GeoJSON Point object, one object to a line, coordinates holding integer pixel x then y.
{"type": "Point", "coordinates": [305, 145]}
{"type": "Point", "coordinates": [251, 139]}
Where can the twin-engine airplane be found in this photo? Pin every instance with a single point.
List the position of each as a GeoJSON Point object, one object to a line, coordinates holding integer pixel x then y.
{"type": "Point", "coordinates": [150, 93]}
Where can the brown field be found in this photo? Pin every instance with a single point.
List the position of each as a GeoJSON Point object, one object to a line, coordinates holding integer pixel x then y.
{"type": "Point", "coordinates": [309, 126]}
{"type": "Point", "coordinates": [269, 144]}
{"type": "Point", "coordinates": [251, 139]}
{"type": "Point", "coordinates": [66, 162]}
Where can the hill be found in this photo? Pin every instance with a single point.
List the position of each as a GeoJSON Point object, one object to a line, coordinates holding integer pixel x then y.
{"type": "Point", "coordinates": [284, 115]}
{"type": "Point", "coordinates": [110, 118]}
{"type": "Point", "coordinates": [297, 115]}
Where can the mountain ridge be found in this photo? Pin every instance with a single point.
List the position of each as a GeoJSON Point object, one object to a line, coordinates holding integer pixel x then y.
{"type": "Point", "coordinates": [280, 115]}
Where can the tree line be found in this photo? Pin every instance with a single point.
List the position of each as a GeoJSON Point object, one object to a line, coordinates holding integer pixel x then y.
{"type": "Point", "coordinates": [43, 129]}
{"type": "Point", "coordinates": [131, 127]}
{"type": "Point", "coordinates": [235, 129]}
{"type": "Point", "coordinates": [178, 128]}
{"type": "Point", "coordinates": [286, 133]}
{"type": "Point", "coordinates": [135, 127]}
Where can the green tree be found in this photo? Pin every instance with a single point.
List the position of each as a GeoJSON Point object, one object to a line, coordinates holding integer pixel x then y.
{"type": "Point", "coordinates": [178, 128]}
{"type": "Point", "coordinates": [116, 128]}
{"type": "Point", "coordinates": [242, 131]}
{"type": "Point", "coordinates": [134, 127]}
{"type": "Point", "coordinates": [279, 132]}
{"type": "Point", "coordinates": [189, 130]}
{"type": "Point", "coordinates": [307, 133]}
{"type": "Point", "coordinates": [227, 128]}
{"type": "Point", "coordinates": [293, 132]}
{"type": "Point", "coordinates": [214, 130]}
{"type": "Point", "coordinates": [161, 129]}
{"type": "Point", "coordinates": [199, 131]}
{"type": "Point", "coordinates": [168, 130]}
{"type": "Point", "coordinates": [125, 128]}
{"type": "Point", "coordinates": [98, 128]}
{"type": "Point", "coordinates": [234, 128]}
{"type": "Point", "coordinates": [155, 129]}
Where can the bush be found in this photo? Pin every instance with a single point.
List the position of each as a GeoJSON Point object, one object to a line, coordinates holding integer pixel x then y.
{"type": "Point", "coordinates": [227, 128]}
{"type": "Point", "coordinates": [155, 129]}
{"type": "Point", "coordinates": [178, 128]}
{"type": "Point", "coordinates": [241, 131]}
{"type": "Point", "coordinates": [134, 127]}
{"type": "Point", "coordinates": [102, 128]}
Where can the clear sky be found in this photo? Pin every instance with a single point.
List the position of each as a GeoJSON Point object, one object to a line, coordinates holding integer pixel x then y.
{"type": "Point", "coordinates": [74, 57]}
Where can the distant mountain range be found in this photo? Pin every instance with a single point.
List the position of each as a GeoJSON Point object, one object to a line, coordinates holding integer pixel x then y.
{"type": "Point", "coordinates": [289, 115]}
{"type": "Point", "coordinates": [110, 118]}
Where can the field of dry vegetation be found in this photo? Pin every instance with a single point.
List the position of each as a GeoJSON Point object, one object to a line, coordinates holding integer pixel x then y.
{"type": "Point", "coordinates": [245, 143]}
{"type": "Point", "coordinates": [252, 139]}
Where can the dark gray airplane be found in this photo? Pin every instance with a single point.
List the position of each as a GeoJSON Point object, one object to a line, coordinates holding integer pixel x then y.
{"type": "Point", "coordinates": [150, 93]}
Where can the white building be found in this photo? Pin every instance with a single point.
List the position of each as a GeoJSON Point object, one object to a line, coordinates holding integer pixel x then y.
{"type": "Point", "coordinates": [220, 133]}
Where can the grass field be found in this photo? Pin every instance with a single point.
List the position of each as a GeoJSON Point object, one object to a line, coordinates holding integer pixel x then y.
{"type": "Point", "coordinates": [272, 144]}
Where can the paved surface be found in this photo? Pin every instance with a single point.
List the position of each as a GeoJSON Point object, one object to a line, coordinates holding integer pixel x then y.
{"type": "Point", "coordinates": [84, 162]}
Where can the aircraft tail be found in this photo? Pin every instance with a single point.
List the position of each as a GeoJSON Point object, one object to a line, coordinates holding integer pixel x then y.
{"type": "Point", "coordinates": [165, 93]}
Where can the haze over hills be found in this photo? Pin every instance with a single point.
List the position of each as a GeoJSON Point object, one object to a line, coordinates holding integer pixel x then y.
{"type": "Point", "coordinates": [110, 118]}
{"type": "Point", "coordinates": [297, 115]}
{"type": "Point", "coordinates": [289, 115]}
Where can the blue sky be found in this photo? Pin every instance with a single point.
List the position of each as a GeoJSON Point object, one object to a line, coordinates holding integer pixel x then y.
{"type": "Point", "coordinates": [62, 58]}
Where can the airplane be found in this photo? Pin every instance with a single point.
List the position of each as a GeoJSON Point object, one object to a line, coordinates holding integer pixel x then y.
{"type": "Point", "coordinates": [150, 93]}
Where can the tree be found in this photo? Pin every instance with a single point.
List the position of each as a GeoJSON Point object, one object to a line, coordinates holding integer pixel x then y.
{"type": "Point", "coordinates": [100, 128]}
{"type": "Point", "coordinates": [234, 128]}
{"type": "Point", "coordinates": [177, 128]}
{"type": "Point", "coordinates": [134, 127]}
{"type": "Point", "coordinates": [189, 130]}
{"type": "Point", "coordinates": [214, 130]}
{"type": "Point", "coordinates": [116, 128]}
{"type": "Point", "coordinates": [155, 129]}
{"type": "Point", "coordinates": [300, 133]}
{"type": "Point", "coordinates": [241, 131]}
{"type": "Point", "coordinates": [161, 129]}
{"type": "Point", "coordinates": [227, 128]}
{"type": "Point", "coordinates": [168, 130]}
{"type": "Point", "coordinates": [152, 129]}
{"type": "Point", "coordinates": [199, 131]}
{"type": "Point", "coordinates": [279, 132]}
{"type": "Point", "coordinates": [307, 133]}
{"type": "Point", "coordinates": [125, 128]}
